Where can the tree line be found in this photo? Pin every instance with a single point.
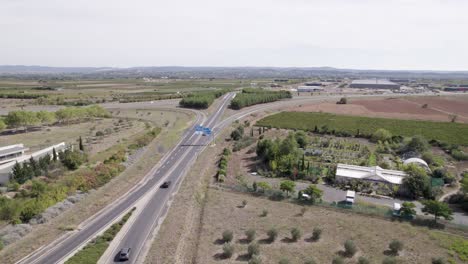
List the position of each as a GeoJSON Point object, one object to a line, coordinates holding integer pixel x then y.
{"type": "Point", "coordinates": [201, 100]}
{"type": "Point", "coordinates": [26, 119]}
{"type": "Point", "coordinates": [250, 97]}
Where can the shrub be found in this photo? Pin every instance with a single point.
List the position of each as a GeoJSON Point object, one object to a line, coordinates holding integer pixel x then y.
{"type": "Point", "coordinates": [363, 260]}
{"type": "Point", "coordinates": [337, 260]}
{"type": "Point", "coordinates": [389, 260]}
{"type": "Point", "coordinates": [253, 249]}
{"type": "Point", "coordinates": [272, 234]}
{"type": "Point", "coordinates": [72, 159]}
{"type": "Point", "coordinates": [228, 236]}
{"type": "Point", "coordinates": [303, 211]}
{"type": "Point", "coordinates": [250, 234]}
{"type": "Point", "coordinates": [350, 248]}
{"type": "Point", "coordinates": [342, 100]}
{"type": "Point", "coordinates": [395, 246]}
{"type": "Point", "coordinates": [244, 203]}
{"type": "Point", "coordinates": [99, 134]}
{"type": "Point", "coordinates": [316, 233]}
{"type": "Point", "coordinates": [310, 261]}
{"type": "Point", "coordinates": [283, 261]}
{"type": "Point", "coordinates": [296, 234]}
{"type": "Point", "coordinates": [264, 213]}
{"type": "Point", "coordinates": [255, 260]}
{"type": "Point", "coordinates": [228, 250]}
{"type": "Point", "coordinates": [438, 261]}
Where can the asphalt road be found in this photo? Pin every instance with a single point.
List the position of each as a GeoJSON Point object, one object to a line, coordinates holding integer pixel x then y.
{"type": "Point", "coordinates": [172, 168]}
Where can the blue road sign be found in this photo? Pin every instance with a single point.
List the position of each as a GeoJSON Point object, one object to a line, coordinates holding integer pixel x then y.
{"type": "Point", "coordinates": [207, 130]}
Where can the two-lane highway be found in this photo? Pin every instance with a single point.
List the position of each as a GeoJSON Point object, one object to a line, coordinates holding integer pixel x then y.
{"type": "Point", "coordinates": [172, 167]}
{"type": "Point", "coordinates": [143, 226]}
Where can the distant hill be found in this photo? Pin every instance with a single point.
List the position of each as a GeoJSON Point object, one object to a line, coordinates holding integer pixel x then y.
{"type": "Point", "coordinates": [27, 72]}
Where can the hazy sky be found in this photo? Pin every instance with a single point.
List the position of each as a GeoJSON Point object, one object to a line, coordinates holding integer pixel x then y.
{"type": "Point", "coordinates": [364, 34]}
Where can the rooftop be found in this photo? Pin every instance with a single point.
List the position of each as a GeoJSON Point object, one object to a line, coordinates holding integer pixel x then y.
{"type": "Point", "coordinates": [374, 81]}
{"type": "Point", "coordinates": [7, 150]}
{"type": "Point", "coordinates": [370, 173]}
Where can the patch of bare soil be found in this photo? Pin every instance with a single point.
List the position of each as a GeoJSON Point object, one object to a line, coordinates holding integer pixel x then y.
{"type": "Point", "coordinates": [382, 107]}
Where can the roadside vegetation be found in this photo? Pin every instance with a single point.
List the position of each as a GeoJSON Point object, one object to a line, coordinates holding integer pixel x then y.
{"type": "Point", "coordinates": [250, 96]}
{"type": "Point", "coordinates": [92, 252]}
{"type": "Point", "coordinates": [38, 184]}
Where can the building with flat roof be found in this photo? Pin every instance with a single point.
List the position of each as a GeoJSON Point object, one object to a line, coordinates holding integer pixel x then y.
{"type": "Point", "coordinates": [6, 167]}
{"type": "Point", "coordinates": [10, 153]}
{"type": "Point", "coordinates": [374, 84]}
{"type": "Point", "coordinates": [346, 172]}
{"type": "Point", "coordinates": [309, 89]}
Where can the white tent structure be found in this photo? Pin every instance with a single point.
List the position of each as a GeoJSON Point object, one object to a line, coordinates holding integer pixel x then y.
{"type": "Point", "coordinates": [346, 172]}
{"type": "Point", "coordinates": [417, 161]}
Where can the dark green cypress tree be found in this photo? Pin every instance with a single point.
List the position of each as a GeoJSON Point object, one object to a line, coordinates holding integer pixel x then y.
{"type": "Point", "coordinates": [303, 162]}
{"type": "Point", "coordinates": [54, 155]}
{"type": "Point", "coordinates": [81, 144]}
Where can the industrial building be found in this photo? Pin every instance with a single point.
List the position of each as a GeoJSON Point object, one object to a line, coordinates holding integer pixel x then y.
{"type": "Point", "coordinates": [346, 173]}
{"type": "Point", "coordinates": [456, 89]}
{"type": "Point", "coordinates": [374, 84]}
{"type": "Point", "coordinates": [309, 89]}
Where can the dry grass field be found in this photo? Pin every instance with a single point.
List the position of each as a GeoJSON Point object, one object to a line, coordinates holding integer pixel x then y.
{"type": "Point", "coordinates": [223, 211]}
{"type": "Point", "coordinates": [50, 135]}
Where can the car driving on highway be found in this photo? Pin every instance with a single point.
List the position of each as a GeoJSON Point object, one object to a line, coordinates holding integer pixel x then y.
{"type": "Point", "coordinates": [166, 184]}
{"type": "Point", "coordinates": [124, 254]}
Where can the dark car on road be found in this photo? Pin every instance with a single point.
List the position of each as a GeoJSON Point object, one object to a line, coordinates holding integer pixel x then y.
{"type": "Point", "coordinates": [166, 184]}
{"type": "Point", "coordinates": [124, 254]}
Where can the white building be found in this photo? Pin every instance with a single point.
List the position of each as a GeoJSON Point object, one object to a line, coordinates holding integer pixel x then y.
{"type": "Point", "coordinates": [346, 172]}
{"type": "Point", "coordinates": [5, 168]}
{"type": "Point", "coordinates": [11, 153]}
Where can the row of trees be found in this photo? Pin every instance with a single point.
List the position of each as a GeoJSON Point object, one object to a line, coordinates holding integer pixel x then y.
{"type": "Point", "coordinates": [26, 119]}
{"type": "Point", "coordinates": [201, 100]}
{"type": "Point", "coordinates": [34, 168]}
{"type": "Point", "coordinates": [249, 97]}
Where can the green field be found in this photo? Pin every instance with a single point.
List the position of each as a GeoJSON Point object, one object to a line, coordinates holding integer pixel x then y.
{"type": "Point", "coordinates": [453, 133]}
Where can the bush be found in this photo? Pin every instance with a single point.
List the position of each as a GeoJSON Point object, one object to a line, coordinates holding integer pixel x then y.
{"type": "Point", "coordinates": [228, 250]}
{"type": "Point", "coordinates": [337, 260]}
{"type": "Point", "coordinates": [264, 213]}
{"type": "Point", "coordinates": [72, 159]}
{"type": "Point", "coordinates": [250, 235]}
{"type": "Point", "coordinates": [283, 261]}
{"type": "Point", "coordinates": [342, 100]}
{"type": "Point", "coordinates": [244, 203]}
{"type": "Point", "coordinates": [395, 246]}
{"type": "Point", "coordinates": [438, 261]}
{"type": "Point", "coordinates": [255, 260]}
{"type": "Point", "coordinates": [316, 233]}
{"type": "Point", "coordinates": [296, 234]}
{"type": "Point", "coordinates": [272, 234]}
{"type": "Point", "coordinates": [228, 236]}
{"type": "Point", "coordinates": [350, 248]}
{"type": "Point", "coordinates": [253, 249]}
{"type": "Point", "coordinates": [363, 260]}
{"type": "Point", "coordinates": [389, 260]}
{"type": "Point", "coordinates": [310, 261]}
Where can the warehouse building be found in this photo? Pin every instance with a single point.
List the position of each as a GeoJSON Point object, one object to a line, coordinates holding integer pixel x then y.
{"type": "Point", "coordinates": [374, 84]}
{"type": "Point", "coordinates": [309, 89]}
